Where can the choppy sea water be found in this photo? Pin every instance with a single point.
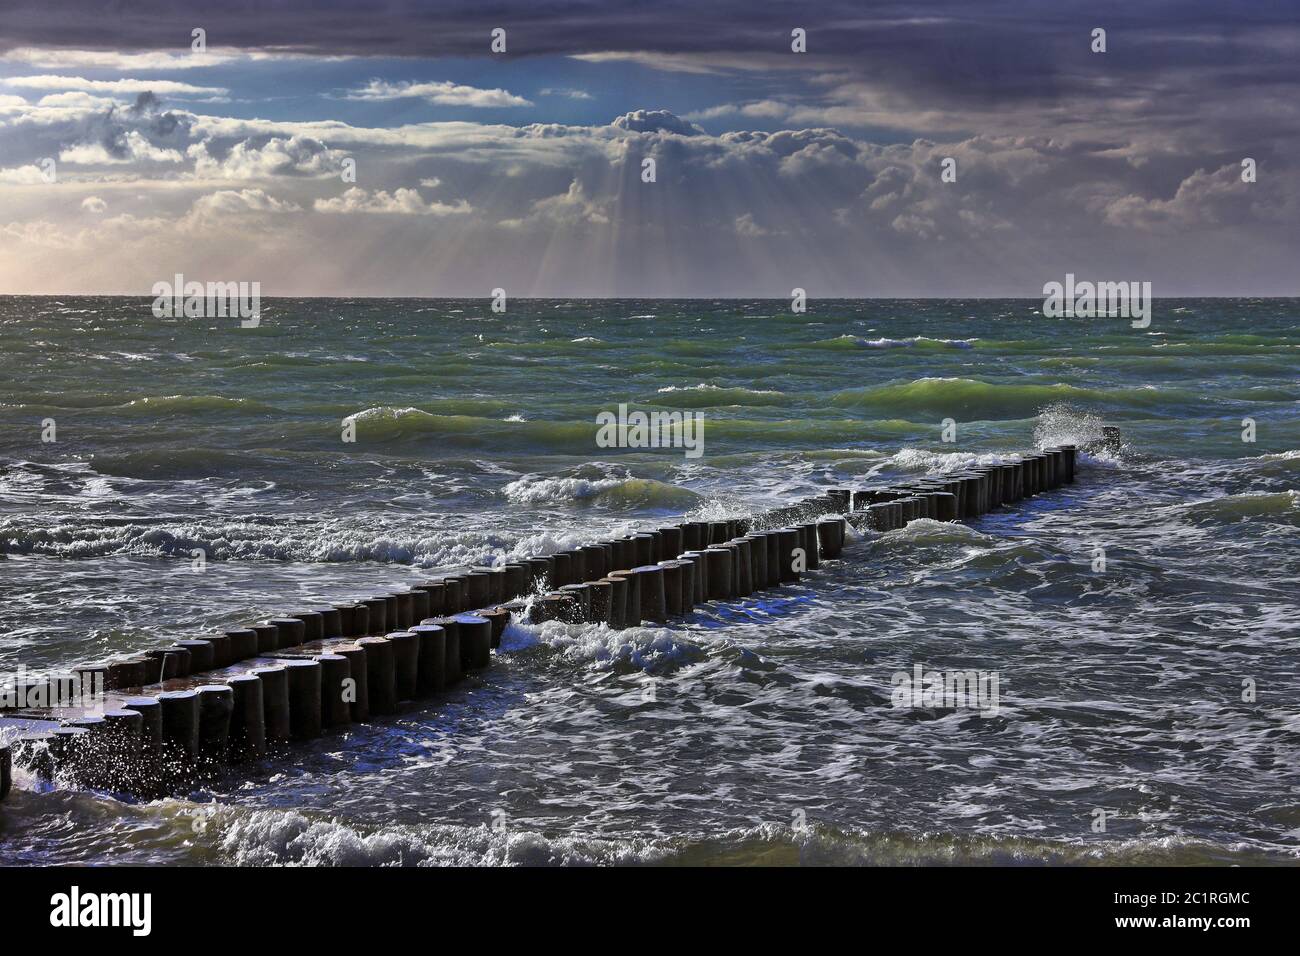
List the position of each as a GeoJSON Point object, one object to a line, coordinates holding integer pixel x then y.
{"type": "Point", "coordinates": [769, 735]}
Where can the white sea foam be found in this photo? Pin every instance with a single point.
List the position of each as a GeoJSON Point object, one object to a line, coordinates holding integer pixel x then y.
{"type": "Point", "coordinates": [887, 343]}
{"type": "Point", "coordinates": [534, 490]}
{"type": "Point", "coordinates": [646, 648]}
{"type": "Point", "coordinates": [291, 838]}
{"type": "Point", "coordinates": [930, 531]}
{"type": "Point", "coordinates": [543, 543]}
{"type": "Point", "coordinates": [935, 462]}
{"type": "Point", "coordinates": [627, 489]}
{"type": "Point", "coordinates": [335, 541]}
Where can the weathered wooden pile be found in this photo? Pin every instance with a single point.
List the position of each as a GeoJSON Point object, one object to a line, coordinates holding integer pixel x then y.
{"type": "Point", "coordinates": [172, 716]}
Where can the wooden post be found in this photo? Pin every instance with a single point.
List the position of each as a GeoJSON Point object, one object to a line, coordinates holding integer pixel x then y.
{"type": "Point", "coordinates": [125, 731]}
{"type": "Point", "coordinates": [432, 676]}
{"type": "Point", "coordinates": [561, 568]}
{"type": "Point", "coordinates": [618, 591]}
{"type": "Point", "coordinates": [582, 594]}
{"type": "Point", "coordinates": [516, 583]}
{"type": "Point", "coordinates": [151, 729]}
{"type": "Point", "coordinates": [268, 637]}
{"type": "Point", "coordinates": [810, 545]}
{"type": "Point", "coordinates": [247, 720]}
{"type": "Point", "coordinates": [180, 725]}
{"type": "Point", "coordinates": [672, 575]}
{"type": "Point", "coordinates": [243, 644]}
{"type": "Point", "coordinates": [216, 704]}
{"type": "Point", "coordinates": [419, 606]}
{"type": "Point", "coordinates": [632, 603]}
{"type": "Point", "coordinates": [789, 541]}
{"type": "Point", "coordinates": [304, 698]}
{"type": "Point", "coordinates": [451, 668]}
{"type": "Point", "coordinates": [453, 594]}
{"type": "Point", "coordinates": [220, 650]}
{"type": "Point", "coordinates": [335, 670]}
{"type": "Point", "coordinates": [437, 597]}
{"type": "Point", "coordinates": [6, 772]}
{"type": "Point", "coordinates": [654, 599]}
{"type": "Point", "coordinates": [475, 641]}
{"type": "Point", "coordinates": [744, 556]}
{"type": "Point", "coordinates": [477, 588]}
{"type": "Point", "coordinates": [357, 673]}
{"type": "Point", "coordinates": [275, 703]}
{"type": "Point", "coordinates": [701, 576]}
{"type": "Point", "coordinates": [331, 621]}
{"type": "Point", "coordinates": [406, 663]}
{"type": "Point", "coordinates": [381, 674]}
{"type": "Point", "coordinates": [202, 655]}
{"type": "Point", "coordinates": [128, 672]}
{"type": "Point", "coordinates": [830, 536]}
{"type": "Point", "coordinates": [499, 618]}
{"type": "Point", "coordinates": [647, 544]}
{"type": "Point", "coordinates": [347, 619]}
{"type": "Point", "coordinates": [376, 615]}
{"type": "Point", "coordinates": [719, 573]}
{"type": "Point", "coordinates": [292, 631]}
{"type": "Point", "coordinates": [594, 561]}
{"type": "Point", "coordinates": [599, 611]}
{"type": "Point", "coordinates": [313, 625]}
{"type": "Point", "coordinates": [69, 748]}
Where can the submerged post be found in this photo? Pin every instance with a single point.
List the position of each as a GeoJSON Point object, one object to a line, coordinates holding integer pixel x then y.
{"type": "Point", "coordinates": [6, 772]}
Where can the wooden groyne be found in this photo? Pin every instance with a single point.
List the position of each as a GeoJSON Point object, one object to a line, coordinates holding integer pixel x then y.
{"type": "Point", "coordinates": [172, 716]}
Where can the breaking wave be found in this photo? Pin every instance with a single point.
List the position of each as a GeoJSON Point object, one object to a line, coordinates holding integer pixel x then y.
{"type": "Point", "coordinates": [973, 400]}
{"type": "Point", "coordinates": [619, 491]}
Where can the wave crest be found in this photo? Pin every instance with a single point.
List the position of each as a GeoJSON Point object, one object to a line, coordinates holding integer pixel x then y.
{"type": "Point", "coordinates": [709, 396]}
{"type": "Point", "coordinates": [625, 492]}
{"type": "Point", "coordinates": [968, 399]}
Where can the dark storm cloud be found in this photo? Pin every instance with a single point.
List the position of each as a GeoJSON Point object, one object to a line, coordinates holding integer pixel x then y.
{"type": "Point", "coordinates": [953, 55]}
{"type": "Point", "coordinates": [988, 48]}
{"type": "Point", "coordinates": [818, 170]}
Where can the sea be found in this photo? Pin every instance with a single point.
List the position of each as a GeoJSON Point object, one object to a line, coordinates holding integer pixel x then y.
{"type": "Point", "coordinates": [164, 477]}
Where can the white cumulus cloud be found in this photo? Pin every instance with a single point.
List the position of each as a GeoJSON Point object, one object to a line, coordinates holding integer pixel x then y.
{"type": "Point", "coordinates": [443, 93]}
{"type": "Point", "coordinates": [400, 202]}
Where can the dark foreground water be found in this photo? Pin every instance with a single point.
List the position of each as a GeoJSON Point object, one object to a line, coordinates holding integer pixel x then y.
{"type": "Point", "coordinates": [761, 732]}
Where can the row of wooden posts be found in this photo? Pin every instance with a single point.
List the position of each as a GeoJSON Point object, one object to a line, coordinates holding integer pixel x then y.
{"type": "Point", "coordinates": [178, 713]}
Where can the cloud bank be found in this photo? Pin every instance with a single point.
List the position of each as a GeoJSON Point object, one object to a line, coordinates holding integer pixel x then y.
{"type": "Point", "coordinates": [320, 158]}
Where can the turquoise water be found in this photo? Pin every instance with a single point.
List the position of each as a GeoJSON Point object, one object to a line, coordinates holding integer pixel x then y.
{"type": "Point", "coordinates": [475, 441]}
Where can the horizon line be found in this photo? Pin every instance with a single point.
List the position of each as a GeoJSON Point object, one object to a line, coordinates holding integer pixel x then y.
{"type": "Point", "coordinates": [643, 298]}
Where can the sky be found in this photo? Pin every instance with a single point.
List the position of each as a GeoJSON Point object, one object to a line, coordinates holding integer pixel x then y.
{"type": "Point", "coordinates": [126, 156]}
